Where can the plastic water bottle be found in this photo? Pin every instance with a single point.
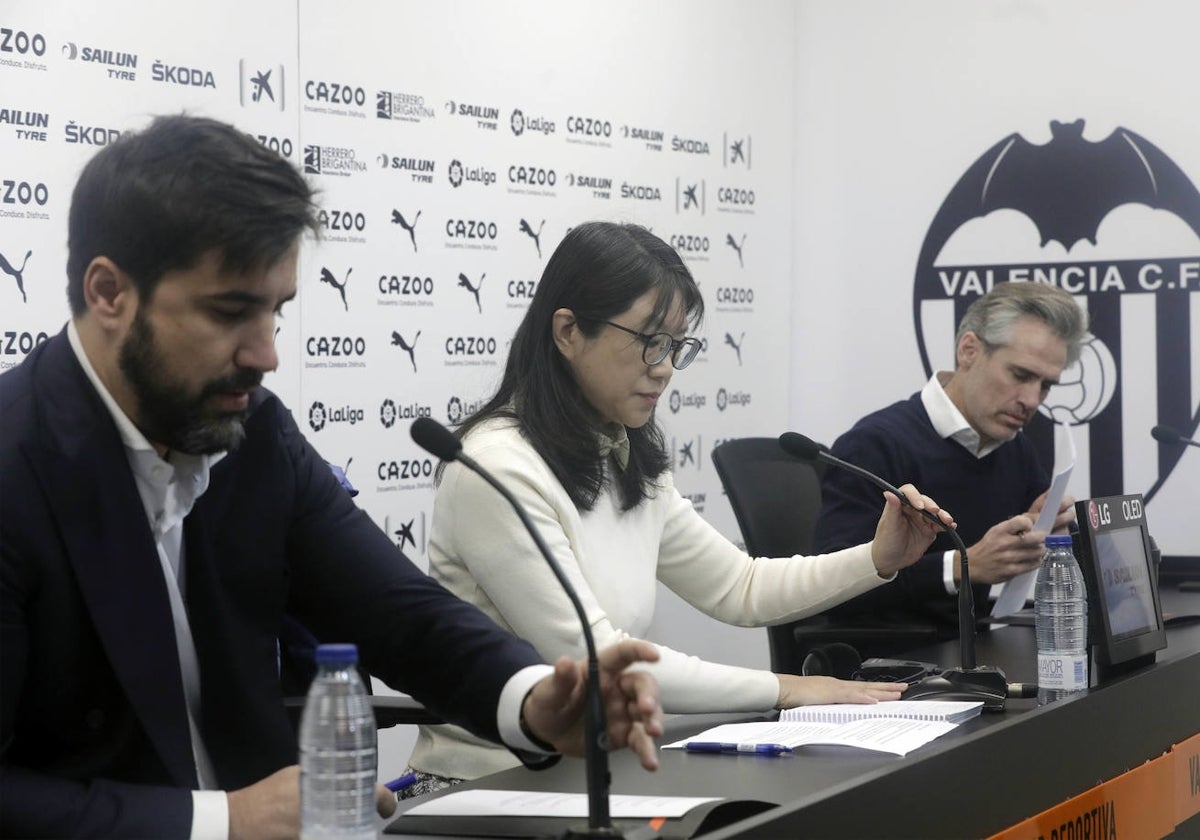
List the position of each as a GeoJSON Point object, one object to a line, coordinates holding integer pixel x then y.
{"type": "Point", "coordinates": [1060, 615]}
{"type": "Point", "coordinates": [338, 751]}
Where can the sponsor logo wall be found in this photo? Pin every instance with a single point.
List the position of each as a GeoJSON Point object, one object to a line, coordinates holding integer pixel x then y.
{"type": "Point", "coordinates": [446, 179]}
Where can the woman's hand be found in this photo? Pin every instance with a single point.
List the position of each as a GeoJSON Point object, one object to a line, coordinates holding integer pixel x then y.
{"type": "Point", "coordinates": [904, 532]}
{"type": "Point", "coordinates": [807, 691]}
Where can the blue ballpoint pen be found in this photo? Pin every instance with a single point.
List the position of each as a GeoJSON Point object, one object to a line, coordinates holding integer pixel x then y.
{"type": "Point", "coordinates": [719, 747]}
{"type": "Point", "coordinates": [405, 781]}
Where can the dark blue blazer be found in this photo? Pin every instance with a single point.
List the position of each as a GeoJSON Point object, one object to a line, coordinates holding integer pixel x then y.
{"type": "Point", "coordinates": [93, 735]}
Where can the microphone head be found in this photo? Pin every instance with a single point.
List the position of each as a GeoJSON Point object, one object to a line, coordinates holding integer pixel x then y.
{"type": "Point", "coordinates": [435, 438]}
{"type": "Point", "coordinates": [798, 446]}
{"type": "Point", "coordinates": [1165, 434]}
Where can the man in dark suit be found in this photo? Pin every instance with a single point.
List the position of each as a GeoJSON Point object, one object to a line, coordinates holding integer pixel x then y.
{"type": "Point", "coordinates": [161, 515]}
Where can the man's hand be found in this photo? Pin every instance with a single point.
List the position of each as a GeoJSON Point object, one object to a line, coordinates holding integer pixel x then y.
{"type": "Point", "coordinates": [805, 691]}
{"type": "Point", "coordinates": [554, 708]}
{"type": "Point", "coordinates": [270, 808]}
{"type": "Point", "coordinates": [903, 534]}
{"type": "Point", "coordinates": [1066, 512]}
{"type": "Point", "coordinates": [1008, 549]}
{"type": "Point", "coordinates": [267, 809]}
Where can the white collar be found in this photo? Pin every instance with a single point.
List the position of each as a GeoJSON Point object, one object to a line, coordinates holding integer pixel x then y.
{"type": "Point", "coordinates": [948, 421]}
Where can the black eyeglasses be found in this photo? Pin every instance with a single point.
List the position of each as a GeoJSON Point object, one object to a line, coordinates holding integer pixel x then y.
{"type": "Point", "coordinates": [658, 346]}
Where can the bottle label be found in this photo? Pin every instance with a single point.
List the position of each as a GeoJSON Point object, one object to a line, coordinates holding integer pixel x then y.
{"type": "Point", "coordinates": [1062, 671]}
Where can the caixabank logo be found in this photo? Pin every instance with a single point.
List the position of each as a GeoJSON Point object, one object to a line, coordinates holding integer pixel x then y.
{"type": "Point", "coordinates": [260, 85]}
{"type": "Point", "coordinates": [1116, 223]}
{"type": "Point", "coordinates": [687, 452]}
{"type": "Point", "coordinates": [691, 196]}
{"type": "Point", "coordinates": [737, 151]}
{"type": "Point", "coordinates": [406, 531]}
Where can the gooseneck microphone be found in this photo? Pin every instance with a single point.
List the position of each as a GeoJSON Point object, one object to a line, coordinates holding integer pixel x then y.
{"type": "Point", "coordinates": [440, 442]}
{"type": "Point", "coordinates": [1167, 435]}
{"type": "Point", "coordinates": [968, 681]}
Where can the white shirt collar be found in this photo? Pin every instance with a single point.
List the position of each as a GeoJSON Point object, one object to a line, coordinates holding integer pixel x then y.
{"type": "Point", "coordinates": [948, 421]}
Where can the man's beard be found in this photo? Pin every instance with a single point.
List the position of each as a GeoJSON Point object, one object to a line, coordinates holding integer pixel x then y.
{"type": "Point", "coordinates": [167, 413]}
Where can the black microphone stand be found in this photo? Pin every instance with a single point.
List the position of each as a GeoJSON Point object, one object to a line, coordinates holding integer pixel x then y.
{"type": "Point", "coordinates": [969, 681]}
{"type": "Point", "coordinates": [432, 436]}
{"type": "Point", "coordinates": [595, 725]}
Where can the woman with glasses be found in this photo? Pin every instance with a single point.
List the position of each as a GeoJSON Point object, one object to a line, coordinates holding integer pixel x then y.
{"type": "Point", "coordinates": [571, 433]}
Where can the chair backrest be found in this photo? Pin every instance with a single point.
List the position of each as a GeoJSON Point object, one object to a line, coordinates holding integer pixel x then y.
{"type": "Point", "coordinates": [774, 496]}
{"type": "Point", "coordinates": [775, 499]}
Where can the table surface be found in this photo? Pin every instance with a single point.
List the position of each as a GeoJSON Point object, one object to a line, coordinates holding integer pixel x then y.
{"type": "Point", "coordinates": [832, 788]}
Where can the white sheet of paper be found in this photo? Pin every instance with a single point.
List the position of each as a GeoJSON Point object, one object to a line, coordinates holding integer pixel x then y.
{"type": "Point", "coordinates": [524, 803]}
{"type": "Point", "coordinates": [894, 735]}
{"type": "Point", "coordinates": [1018, 590]}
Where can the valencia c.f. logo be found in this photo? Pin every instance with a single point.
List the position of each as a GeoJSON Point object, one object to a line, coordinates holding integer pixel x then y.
{"type": "Point", "coordinates": [1113, 221]}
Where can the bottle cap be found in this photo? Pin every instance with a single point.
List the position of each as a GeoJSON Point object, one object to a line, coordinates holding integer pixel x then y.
{"type": "Point", "coordinates": [1058, 540]}
{"type": "Point", "coordinates": [337, 654]}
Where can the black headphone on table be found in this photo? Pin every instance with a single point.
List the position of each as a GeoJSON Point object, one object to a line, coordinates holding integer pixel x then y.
{"type": "Point", "coordinates": [840, 660]}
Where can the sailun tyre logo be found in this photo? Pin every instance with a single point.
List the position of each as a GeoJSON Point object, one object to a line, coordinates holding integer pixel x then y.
{"type": "Point", "coordinates": [1116, 223]}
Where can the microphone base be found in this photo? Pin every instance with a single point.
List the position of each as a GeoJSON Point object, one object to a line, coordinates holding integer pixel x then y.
{"type": "Point", "coordinates": [984, 683]}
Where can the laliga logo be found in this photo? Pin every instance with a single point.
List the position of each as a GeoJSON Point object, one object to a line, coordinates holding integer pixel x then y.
{"type": "Point", "coordinates": [316, 416]}
{"type": "Point", "coordinates": [456, 173]}
{"type": "Point", "coordinates": [1113, 222]}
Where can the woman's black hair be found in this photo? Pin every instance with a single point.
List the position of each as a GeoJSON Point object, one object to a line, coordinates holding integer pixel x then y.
{"type": "Point", "coordinates": [598, 271]}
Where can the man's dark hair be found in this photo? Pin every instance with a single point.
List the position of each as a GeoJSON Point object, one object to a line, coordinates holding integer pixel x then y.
{"type": "Point", "coordinates": [598, 271]}
{"type": "Point", "coordinates": [157, 200]}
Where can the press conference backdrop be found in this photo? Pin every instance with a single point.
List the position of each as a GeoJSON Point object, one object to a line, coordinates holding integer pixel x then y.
{"type": "Point", "coordinates": [453, 144]}
{"type": "Point", "coordinates": [804, 158]}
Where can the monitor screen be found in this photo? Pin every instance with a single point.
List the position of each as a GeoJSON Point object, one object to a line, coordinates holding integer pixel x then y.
{"type": "Point", "coordinates": [1125, 576]}
{"type": "Point", "coordinates": [1125, 617]}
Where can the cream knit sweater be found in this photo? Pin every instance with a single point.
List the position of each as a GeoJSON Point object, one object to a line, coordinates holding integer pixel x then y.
{"type": "Point", "coordinates": [480, 551]}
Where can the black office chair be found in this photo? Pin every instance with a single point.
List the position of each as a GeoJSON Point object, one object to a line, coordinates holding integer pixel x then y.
{"type": "Point", "coordinates": [775, 499]}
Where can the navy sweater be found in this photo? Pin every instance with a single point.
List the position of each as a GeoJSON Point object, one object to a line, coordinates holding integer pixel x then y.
{"type": "Point", "coordinates": [899, 444]}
